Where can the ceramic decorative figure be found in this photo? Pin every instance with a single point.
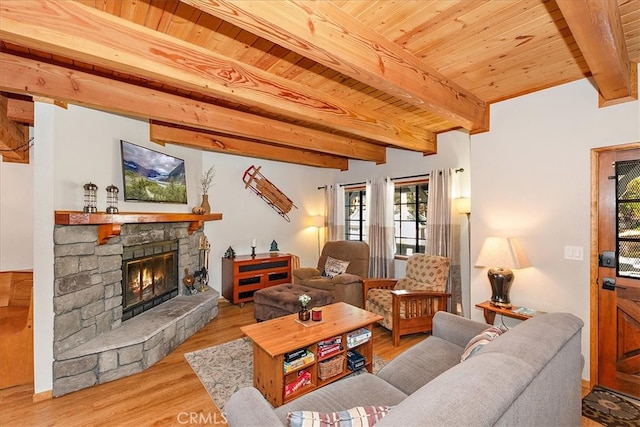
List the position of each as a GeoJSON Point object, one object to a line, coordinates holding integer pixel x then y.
{"type": "Point", "coordinates": [230, 253]}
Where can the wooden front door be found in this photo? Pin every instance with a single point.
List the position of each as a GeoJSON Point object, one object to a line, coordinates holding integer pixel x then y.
{"type": "Point", "coordinates": [618, 269]}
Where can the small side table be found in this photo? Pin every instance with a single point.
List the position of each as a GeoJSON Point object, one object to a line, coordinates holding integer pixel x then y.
{"type": "Point", "coordinates": [490, 312]}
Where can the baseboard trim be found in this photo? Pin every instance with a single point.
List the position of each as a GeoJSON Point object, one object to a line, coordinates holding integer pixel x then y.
{"type": "Point", "coordinates": [45, 395]}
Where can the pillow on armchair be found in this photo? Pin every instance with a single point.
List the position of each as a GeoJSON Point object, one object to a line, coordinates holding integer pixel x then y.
{"type": "Point", "coordinates": [333, 267]}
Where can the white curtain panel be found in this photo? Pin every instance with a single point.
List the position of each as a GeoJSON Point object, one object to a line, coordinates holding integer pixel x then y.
{"type": "Point", "coordinates": [442, 231]}
{"type": "Point", "coordinates": [334, 212]}
{"type": "Point", "coordinates": [381, 228]}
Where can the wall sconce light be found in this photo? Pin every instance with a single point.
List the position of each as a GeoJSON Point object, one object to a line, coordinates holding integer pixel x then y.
{"type": "Point", "coordinates": [501, 254]}
{"type": "Point", "coordinates": [90, 198]}
{"type": "Point", "coordinates": [112, 199]}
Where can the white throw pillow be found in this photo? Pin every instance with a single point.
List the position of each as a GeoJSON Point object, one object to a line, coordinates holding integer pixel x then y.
{"type": "Point", "coordinates": [333, 267]}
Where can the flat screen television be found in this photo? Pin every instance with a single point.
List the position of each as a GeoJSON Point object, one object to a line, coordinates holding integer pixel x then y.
{"type": "Point", "coordinates": [151, 176]}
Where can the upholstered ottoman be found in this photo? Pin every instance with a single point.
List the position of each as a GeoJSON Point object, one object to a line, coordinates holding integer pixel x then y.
{"type": "Point", "coordinates": [280, 300]}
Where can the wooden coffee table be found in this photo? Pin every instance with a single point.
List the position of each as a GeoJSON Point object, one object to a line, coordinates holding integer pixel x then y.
{"type": "Point", "coordinates": [273, 339]}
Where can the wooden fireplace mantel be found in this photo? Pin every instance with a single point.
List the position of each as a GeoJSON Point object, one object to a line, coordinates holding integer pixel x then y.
{"type": "Point", "coordinates": [109, 225]}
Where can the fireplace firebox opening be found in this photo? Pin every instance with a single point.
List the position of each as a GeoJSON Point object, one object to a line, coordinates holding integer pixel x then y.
{"type": "Point", "coordinates": [149, 276]}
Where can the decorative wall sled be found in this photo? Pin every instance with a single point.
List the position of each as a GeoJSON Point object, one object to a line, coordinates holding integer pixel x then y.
{"type": "Point", "coordinates": [260, 185]}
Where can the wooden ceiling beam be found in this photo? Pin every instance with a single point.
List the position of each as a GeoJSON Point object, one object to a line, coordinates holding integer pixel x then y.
{"type": "Point", "coordinates": [27, 76]}
{"type": "Point", "coordinates": [20, 110]}
{"type": "Point", "coordinates": [321, 31]}
{"type": "Point", "coordinates": [73, 30]}
{"type": "Point", "coordinates": [597, 29]}
{"type": "Point", "coordinates": [163, 133]}
{"type": "Point", "coordinates": [14, 137]}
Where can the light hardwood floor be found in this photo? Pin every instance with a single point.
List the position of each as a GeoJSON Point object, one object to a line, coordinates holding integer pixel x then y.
{"type": "Point", "coordinates": [167, 394]}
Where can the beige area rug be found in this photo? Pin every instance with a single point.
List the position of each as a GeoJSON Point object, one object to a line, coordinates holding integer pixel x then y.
{"type": "Point", "coordinates": [224, 369]}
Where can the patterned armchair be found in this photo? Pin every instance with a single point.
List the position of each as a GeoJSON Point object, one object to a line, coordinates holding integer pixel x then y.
{"type": "Point", "coordinates": [408, 305]}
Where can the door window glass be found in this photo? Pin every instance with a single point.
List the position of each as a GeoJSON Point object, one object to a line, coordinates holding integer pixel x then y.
{"type": "Point", "coordinates": [628, 218]}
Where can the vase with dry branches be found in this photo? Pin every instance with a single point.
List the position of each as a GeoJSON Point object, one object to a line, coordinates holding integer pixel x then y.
{"type": "Point", "coordinates": [206, 181]}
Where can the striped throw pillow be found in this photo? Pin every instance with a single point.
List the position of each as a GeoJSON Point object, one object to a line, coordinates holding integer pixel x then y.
{"type": "Point", "coordinates": [476, 343]}
{"type": "Point", "coordinates": [360, 416]}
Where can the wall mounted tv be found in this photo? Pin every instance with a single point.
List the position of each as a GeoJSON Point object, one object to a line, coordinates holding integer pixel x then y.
{"type": "Point", "coordinates": [151, 176]}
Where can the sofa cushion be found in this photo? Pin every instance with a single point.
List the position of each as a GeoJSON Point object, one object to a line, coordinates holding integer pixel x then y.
{"type": "Point", "coordinates": [456, 329]}
{"type": "Point", "coordinates": [536, 337]}
{"type": "Point", "coordinates": [355, 390]}
{"type": "Point", "coordinates": [476, 343]}
{"type": "Point", "coordinates": [360, 416]}
{"type": "Point", "coordinates": [476, 392]}
{"type": "Point", "coordinates": [333, 267]}
{"type": "Point", "coordinates": [420, 364]}
{"type": "Point", "coordinates": [355, 251]}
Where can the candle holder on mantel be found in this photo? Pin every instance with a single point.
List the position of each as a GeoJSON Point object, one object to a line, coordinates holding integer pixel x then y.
{"type": "Point", "coordinates": [90, 198]}
{"type": "Point", "coordinates": [112, 199]}
{"type": "Point", "coordinates": [253, 251]}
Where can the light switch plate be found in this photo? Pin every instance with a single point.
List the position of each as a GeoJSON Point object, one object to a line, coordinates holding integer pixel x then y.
{"type": "Point", "coordinates": [574, 253]}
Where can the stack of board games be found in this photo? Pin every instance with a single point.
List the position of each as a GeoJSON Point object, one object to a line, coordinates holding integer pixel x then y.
{"type": "Point", "coordinates": [295, 359]}
{"type": "Point", "coordinates": [329, 346]}
{"type": "Point", "coordinates": [357, 337]}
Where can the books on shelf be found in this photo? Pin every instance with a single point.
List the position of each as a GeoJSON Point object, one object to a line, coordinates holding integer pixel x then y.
{"type": "Point", "coordinates": [297, 363]}
{"type": "Point", "coordinates": [357, 337]}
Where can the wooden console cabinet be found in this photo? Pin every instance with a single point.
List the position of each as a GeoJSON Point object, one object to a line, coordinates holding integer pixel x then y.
{"type": "Point", "coordinates": [245, 274]}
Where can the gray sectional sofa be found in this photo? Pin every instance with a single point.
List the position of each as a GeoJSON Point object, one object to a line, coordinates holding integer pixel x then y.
{"type": "Point", "coordinates": [528, 376]}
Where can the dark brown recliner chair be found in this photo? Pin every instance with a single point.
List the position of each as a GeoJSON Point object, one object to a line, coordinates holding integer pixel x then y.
{"type": "Point", "coordinates": [346, 287]}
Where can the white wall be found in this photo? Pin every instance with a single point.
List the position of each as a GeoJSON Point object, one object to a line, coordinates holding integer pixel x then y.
{"type": "Point", "coordinates": [90, 152]}
{"type": "Point", "coordinates": [16, 215]}
{"type": "Point", "coordinates": [246, 216]}
{"type": "Point", "coordinates": [531, 180]}
{"type": "Point", "coordinates": [43, 160]}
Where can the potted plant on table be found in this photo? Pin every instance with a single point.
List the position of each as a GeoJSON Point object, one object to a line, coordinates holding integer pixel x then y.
{"type": "Point", "coordinates": [304, 314]}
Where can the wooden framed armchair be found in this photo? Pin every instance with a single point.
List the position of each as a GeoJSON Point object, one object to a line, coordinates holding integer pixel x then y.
{"type": "Point", "coordinates": [408, 305]}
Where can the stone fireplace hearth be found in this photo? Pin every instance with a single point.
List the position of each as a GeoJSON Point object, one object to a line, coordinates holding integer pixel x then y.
{"type": "Point", "coordinates": [92, 342]}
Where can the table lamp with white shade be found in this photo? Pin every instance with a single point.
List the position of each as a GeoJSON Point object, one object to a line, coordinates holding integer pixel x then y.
{"type": "Point", "coordinates": [501, 254]}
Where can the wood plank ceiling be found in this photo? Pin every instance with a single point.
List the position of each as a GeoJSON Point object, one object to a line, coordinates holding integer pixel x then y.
{"type": "Point", "coordinates": [308, 82]}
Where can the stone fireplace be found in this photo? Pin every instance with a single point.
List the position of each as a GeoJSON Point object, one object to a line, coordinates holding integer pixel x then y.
{"type": "Point", "coordinates": [93, 343]}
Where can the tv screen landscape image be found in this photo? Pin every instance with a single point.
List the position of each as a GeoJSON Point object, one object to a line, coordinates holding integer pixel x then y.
{"type": "Point", "coordinates": [151, 176]}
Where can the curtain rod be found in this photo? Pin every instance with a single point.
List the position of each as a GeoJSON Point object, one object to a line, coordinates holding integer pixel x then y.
{"type": "Point", "coordinates": [392, 179]}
